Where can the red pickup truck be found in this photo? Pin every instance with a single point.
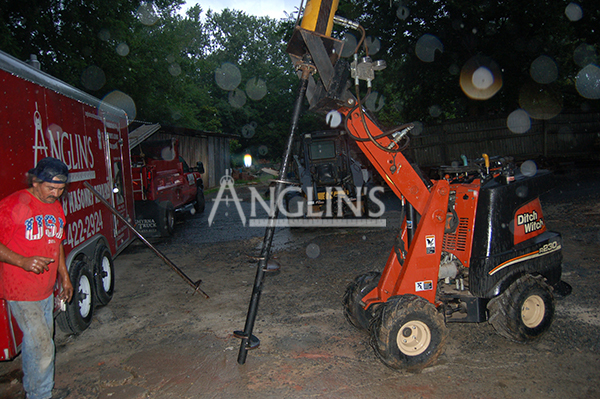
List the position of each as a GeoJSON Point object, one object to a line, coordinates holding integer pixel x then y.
{"type": "Point", "coordinates": [163, 185]}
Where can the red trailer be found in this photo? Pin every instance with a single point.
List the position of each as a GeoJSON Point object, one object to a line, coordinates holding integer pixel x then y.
{"type": "Point", "coordinates": [42, 116]}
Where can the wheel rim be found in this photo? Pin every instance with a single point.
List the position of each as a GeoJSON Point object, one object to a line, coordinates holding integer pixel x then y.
{"type": "Point", "coordinates": [106, 275]}
{"type": "Point", "coordinates": [532, 311]}
{"type": "Point", "coordinates": [413, 338]}
{"type": "Point", "coordinates": [85, 296]}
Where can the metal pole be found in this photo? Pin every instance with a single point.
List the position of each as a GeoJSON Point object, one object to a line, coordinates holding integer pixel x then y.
{"type": "Point", "coordinates": [248, 340]}
{"type": "Point", "coordinates": [194, 284]}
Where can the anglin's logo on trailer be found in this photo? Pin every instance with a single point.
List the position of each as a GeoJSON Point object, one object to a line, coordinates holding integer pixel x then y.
{"type": "Point", "coordinates": [301, 217]}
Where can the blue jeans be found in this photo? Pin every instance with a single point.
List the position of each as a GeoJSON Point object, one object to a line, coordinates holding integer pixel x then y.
{"type": "Point", "coordinates": [36, 320]}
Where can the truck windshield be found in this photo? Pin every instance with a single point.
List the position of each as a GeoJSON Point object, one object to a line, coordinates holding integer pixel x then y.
{"type": "Point", "coordinates": [322, 150]}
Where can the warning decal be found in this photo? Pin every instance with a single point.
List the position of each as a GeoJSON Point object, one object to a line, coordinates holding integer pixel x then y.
{"type": "Point", "coordinates": [424, 285]}
{"type": "Point", "coordinates": [430, 244]}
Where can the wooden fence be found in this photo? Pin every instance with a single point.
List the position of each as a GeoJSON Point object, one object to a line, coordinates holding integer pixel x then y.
{"type": "Point", "coordinates": [566, 135]}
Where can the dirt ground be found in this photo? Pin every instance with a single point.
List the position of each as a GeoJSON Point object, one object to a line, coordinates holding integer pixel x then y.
{"type": "Point", "coordinates": [156, 340]}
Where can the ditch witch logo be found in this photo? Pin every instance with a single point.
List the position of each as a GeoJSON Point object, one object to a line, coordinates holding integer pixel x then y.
{"type": "Point", "coordinates": [303, 215]}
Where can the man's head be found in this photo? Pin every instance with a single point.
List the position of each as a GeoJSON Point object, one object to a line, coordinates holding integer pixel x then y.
{"type": "Point", "coordinates": [47, 181]}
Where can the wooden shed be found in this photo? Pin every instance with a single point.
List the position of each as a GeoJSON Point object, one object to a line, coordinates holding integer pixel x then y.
{"type": "Point", "coordinates": [210, 148]}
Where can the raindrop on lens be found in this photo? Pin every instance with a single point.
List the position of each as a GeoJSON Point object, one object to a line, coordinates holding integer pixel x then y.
{"type": "Point", "coordinates": [123, 49]}
{"type": "Point", "coordinates": [248, 131]}
{"type": "Point", "coordinates": [256, 89]}
{"type": "Point", "coordinates": [349, 45]}
{"type": "Point", "coordinates": [543, 70]}
{"type": "Point", "coordinates": [588, 82]}
{"type": "Point", "coordinates": [521, 191]}
{"type": "Point", "coordinates": [574, 12]}
{"type": "Point", "coordinates": [120, 100]}
{"type": "Point", "coordinates": [237, 98]}
{"type": "Point", "coordinates": [427, 46]}
{"type": "Point", "coordinates": [418, 129]}
{"type": "Point", "coordinates": [402, 12]}
{"type": "Point", "coordinates": [146, 14]}
{"type": "Point", "coordinates": [518, 121]}
{"type": "Point", "coordinates": [375, 102]}
{"type": "Point", "coordinates": [228, 76]}
{"type": "Point", "coordinates": [584, 54]}
{"type": "Point", "coordinates": [435, 111]}
{"type": "Point", "coordinates": [263, 150]}
{"type": "Point", "coordinates": [93, 78]}
{"type": "Point", "coordinates": [175, 69]}
{"type": "Point", "coordinates": [313, 251]}
{"type": "Point", "coordinates": [333, 118]}
{"type": "Point", "coordinates": [529, 168]}
{"type": "Point", "coordinates": [374, 45]}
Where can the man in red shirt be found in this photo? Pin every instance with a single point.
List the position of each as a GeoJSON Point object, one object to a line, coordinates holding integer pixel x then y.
{"type": "Point", "coordinates": [32, 228]}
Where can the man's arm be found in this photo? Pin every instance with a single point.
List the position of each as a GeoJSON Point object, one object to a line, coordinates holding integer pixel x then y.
{"type": "Point", "coordinates": [67, 288]}
{"type": "Point", "coordinates": [33, 264]}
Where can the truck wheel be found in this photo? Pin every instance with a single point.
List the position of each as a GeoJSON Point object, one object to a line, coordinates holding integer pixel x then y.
{"type": "Point", "coordinates": [408, 333]}
{"type": "Point", "coordinates": [104, 275]}
{"type": "Point", "coordinates": [80, 310]}
{"type": "Point", "coordinates": [524, 311]}
{"type": "Point", "coordinates": [355, 292]}
{"type": "Point", "coordinates": [166, 218]}
{"type": "Point", "coordinates": [200, 201]}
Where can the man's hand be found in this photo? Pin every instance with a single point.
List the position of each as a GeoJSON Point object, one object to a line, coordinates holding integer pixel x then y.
{"type": "Point", "coordinates": [36, 264]}
{"type": "Point", "coordinates": [67, 290]}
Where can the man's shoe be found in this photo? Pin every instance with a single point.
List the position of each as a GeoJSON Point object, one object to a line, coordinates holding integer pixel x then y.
{"type": "Point", "coordinates": [60, 393]}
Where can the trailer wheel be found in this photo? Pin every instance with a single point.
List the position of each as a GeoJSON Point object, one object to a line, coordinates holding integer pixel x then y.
{"type": "Point", "coordinates": [408, 333]}
{"type": "Point", "coordinates": [104, 275]}
{"type": "Point", "coordinates": [166, 218]}
{"type": "Point", "coordinates": [355, 292]}
{"type": "Point", "coordinates": [524, 311]}
{"type": "Point", "coordinates": [80, 310]}
{"type": "Point", "coordinates": [200, 201]}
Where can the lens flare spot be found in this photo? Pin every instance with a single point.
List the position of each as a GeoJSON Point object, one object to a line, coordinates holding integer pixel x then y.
{"type": "Point", "coordinates": [248, 131]}
{"type": "Point", "coordinates": [175, 69]}
{"type": "Point", "coordinates": [540, 101]}
{"type": "Point", "coordinates": [373, 44]}
{"type": "Point", "coordinates": [480, 78]}
{"type": "Point", "coordinates": [375, 102]}
{"type": "Point", "coordinates": [263, 150]}
{"type": "Point", "coordinates": [584, 54]}
{"type": "Point", "coordinates": [247, 160]}
{"type": "Point", "coordinates": [402, 13]}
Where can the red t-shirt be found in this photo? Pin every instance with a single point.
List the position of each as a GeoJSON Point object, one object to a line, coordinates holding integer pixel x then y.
{"type": "Point", "coordinates": [30, 227]}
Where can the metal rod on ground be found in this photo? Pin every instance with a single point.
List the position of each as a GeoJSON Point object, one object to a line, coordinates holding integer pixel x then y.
{"type": "Point", "coordinates": [248, 340]}
{"type": "Point", "coordinates": [195, 285]}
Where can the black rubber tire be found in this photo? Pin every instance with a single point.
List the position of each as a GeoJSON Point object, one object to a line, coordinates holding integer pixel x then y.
{"type": "Point", "coordinates": [355, 292]}
{"type": "Point", "coordinates": [200, 204]}
{"type": "Point", "coordinates": [523, 312]}
{"type": "Point", "coordinates": [104, 275]}
{"type": "Point", "coordinates": [166, 219]}
{"type": "Point", "coordinates": [78, 315]}
{"type": "Point", "coordinates": [426, 328]}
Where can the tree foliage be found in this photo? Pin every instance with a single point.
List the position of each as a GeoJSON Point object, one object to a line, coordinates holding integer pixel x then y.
{"type": "Point", "coordinates": [229, 72]}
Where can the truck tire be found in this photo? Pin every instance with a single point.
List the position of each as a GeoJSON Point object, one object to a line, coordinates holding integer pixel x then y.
{"type": "Point", "coordinates": [80, 310]}
{"type": "Point", "coordinates": [200, 201]}
{"type": "Point", "coordinates": [166, 219]}
{"type": "Point", "coordinates": [104, 275]}
{"type": "Point", "coordinates": [355, 292]}
{"type": "Point", "coordinates": [524, 311]}
{"type": "Point", "coordinates": [408, 333]}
